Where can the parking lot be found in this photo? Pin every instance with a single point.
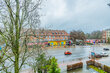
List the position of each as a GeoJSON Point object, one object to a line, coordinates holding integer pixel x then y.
{"type": "Point", "coordinates": [79, 53]}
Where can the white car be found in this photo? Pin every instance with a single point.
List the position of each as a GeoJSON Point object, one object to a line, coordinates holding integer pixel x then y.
{"type": "Point", "coordinates": [103, 54]}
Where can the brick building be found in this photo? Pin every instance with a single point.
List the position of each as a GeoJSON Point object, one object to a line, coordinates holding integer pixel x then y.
{"type": "Point", "coordinates": [50, 35]}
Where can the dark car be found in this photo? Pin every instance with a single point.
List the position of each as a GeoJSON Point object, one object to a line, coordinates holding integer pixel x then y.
{"type": "Point", "coordinates": [77, 43]}
{"type": "Point", "coordinates": [106, 49]}
{"type": "Point", "coordinates": [98, 56]}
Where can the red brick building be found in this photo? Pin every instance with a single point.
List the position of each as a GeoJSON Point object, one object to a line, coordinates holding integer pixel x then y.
{"type": "Point", "coordinates": [50, 35]}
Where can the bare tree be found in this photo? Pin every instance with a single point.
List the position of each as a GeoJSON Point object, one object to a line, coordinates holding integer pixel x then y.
{"type": "Point", "coordinates": [77, 35]}
{"type": "Point", "coordinates": [17, 18]}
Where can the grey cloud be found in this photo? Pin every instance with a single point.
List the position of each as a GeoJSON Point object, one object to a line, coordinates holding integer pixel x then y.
{"type": "Point", "coordinates": [86, 15]}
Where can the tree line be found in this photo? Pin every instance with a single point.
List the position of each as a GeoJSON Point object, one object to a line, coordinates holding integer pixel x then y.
{"type": "Point", "coordinates": [80, 35]}
{"type": "Point", "coordinates": [94, 35]}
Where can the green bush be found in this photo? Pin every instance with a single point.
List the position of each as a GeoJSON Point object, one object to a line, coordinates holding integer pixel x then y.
{"type": "Point", "coordinates": [54, 66]}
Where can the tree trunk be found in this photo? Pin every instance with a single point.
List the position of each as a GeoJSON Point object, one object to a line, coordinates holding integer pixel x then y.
{"type": "Point", "coordinates": [74, 40]}
{"type": "Point", "coordinates": [34, 70]}
{"type": "Point", "coordinates": [17, 63]}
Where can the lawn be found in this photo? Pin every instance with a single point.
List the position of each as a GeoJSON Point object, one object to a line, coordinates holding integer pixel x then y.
{"type": "Point", "coordinates": [97, 69]}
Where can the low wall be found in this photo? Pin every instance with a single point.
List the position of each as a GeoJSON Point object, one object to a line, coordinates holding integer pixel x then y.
{"type": "Point", "coordinates": [107, 69]}
{"type": "Point", "coordinates": [90, 62]}
{"type": "Point", "coordinates": [99, 65]}
{"type": "Point", "coordinates": [74, 66]}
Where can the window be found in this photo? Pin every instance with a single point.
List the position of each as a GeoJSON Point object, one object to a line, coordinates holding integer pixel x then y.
{"type": "Point", "coordinates": [49, 39]}
{"type": "Point", "coordinates": [53, 33]}
{"type": "Point", "coordinates": [46, 36]}
{"type": "Point", "coordinates": [52, 39]}
{"type": "Point", "coordinates": [53, 36]}
{"type": "Point", "coordinates": [49, 36]}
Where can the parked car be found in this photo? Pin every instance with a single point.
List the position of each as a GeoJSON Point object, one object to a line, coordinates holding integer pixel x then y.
{"type": "Point", "coordinates": [103, 54]}
{"type": "Point", "coordinates": [77, 43]}
{"type": "Point", "coordinates": [98, 56]}
{"type": "Point", "coordinates": [106, 49]}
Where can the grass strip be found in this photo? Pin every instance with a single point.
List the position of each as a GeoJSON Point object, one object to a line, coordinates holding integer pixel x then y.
{"type": "Point", "coordinates": [97, 69]}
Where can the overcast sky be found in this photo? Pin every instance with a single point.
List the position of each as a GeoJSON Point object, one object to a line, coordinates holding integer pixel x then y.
{"type": "Point", "coordinates": [85, 15]}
